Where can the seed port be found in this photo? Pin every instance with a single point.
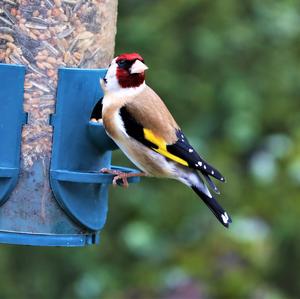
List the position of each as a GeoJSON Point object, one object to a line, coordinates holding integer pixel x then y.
{"type": "Point", "coordinates": [97, 111]}
{"type": "Point", "coordinates": [96, 129]}
{"type": "Point", "coordinates": [99, 137]}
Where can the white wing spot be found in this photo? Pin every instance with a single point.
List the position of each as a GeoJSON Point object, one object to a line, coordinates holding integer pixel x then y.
{"type": "Point", "coordinates": [199, 163]}
{"type": "Point", "coordinates": [182, 136]}
{"type": "Point", "coordinates": [190, 150]}
{"type": "Point", "coordinates": [212, 172]}
{"type": "Point", "coordinates": [225, 218]}
{"type": "Point", "coordinates": [204, 166]}
{"type": "Point", "coordinates": [222, 179]}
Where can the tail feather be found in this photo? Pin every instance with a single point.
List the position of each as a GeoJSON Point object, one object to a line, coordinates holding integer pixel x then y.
{"type": "Point", "coordinates": [211, 183]}
{"type": "Point", "coordinates": [192, 179]}
{"type": "Point", "coordinates": [213, 205]}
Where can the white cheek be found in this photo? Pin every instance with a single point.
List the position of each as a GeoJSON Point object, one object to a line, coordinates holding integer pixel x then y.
{"type": "Point", "coordinates": [111, 72]}
{"type": "Point", "coordinates": [112, 81]}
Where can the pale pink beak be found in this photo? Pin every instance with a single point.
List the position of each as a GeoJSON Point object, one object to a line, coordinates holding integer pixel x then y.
{"type": "Point", "coordinates": [138, 67]}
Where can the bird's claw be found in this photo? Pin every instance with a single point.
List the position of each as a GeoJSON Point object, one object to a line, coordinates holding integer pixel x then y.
{"type": "Point", "coordinates": [121, 176]}
{"type": "Point", "coordinates": [118, 175]}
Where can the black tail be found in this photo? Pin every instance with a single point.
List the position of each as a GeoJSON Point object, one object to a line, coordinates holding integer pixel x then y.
{"type": "Point", "coordinates": [211, 202]}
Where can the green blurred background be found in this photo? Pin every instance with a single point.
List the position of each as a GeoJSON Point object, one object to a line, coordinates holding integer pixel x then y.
{"type": "Point", "coordinates": [229, 71]}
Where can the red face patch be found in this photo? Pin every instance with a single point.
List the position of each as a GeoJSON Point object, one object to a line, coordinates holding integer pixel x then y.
{"type": "Point", "coordinates": [129, 80]}
{"type": "Point", "coordinates": [125, 78]}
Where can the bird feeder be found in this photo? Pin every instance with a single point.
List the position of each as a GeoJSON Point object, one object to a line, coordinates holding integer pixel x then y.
{"type": "Point", "coordinates": [52, 192]}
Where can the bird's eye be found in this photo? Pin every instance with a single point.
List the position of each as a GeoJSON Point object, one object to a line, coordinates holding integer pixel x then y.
{"type": "Point", "coordinates": [121, 63]}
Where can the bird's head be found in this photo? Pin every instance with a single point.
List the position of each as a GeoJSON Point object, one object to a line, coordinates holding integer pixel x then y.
{"type": "Point", "coordinates": [125, 71]}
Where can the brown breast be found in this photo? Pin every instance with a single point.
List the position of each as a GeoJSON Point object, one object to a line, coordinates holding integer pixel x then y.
{"type": "Point", "coordinates": [148, 110]}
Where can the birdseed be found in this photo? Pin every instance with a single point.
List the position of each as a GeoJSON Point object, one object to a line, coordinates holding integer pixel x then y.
{"type": "Point", "coordinates": [45, 35]}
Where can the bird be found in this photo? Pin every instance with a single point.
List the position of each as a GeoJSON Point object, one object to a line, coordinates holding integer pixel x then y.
{"type": "Point", "coordinates": [139, 122]}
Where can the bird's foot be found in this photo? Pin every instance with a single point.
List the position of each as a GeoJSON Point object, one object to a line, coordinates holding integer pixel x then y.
{"type": "Point", "coordinates": [119, 175]}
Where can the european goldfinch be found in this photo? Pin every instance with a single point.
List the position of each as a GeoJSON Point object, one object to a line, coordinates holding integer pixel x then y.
{"type": "Point", "coordinates": [138, 121]}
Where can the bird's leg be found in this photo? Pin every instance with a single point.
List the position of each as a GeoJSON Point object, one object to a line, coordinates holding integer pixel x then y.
{"type": "Point", "coordinates": [110, 171]}
{"type": "Point", "coordinates": [119, 175]}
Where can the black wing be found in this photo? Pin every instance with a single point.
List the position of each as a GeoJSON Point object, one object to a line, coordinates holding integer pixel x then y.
{"type": "Point", "coordinates": [184, 150]}
{"type": "Point", "coordinates": [181, 151]}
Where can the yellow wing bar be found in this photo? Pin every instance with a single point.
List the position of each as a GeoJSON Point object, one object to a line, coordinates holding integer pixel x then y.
{"type": "Point", "coordinates": [162, 147]}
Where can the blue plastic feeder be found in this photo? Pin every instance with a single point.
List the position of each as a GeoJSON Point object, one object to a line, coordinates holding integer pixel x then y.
{"type": "Point", "coordinates": [75, 212]}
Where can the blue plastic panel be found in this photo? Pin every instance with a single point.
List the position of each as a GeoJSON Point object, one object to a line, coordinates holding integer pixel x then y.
{"type": "Point", "coordinates": [80, 149]}
{"type": "Point", "coordinates": [12, 118]}
{"type": "Point", "coordinates": [35, 239]}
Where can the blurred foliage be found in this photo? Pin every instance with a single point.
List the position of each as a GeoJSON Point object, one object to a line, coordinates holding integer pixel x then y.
{"type": "Point", "coordinates": [229, 73]}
